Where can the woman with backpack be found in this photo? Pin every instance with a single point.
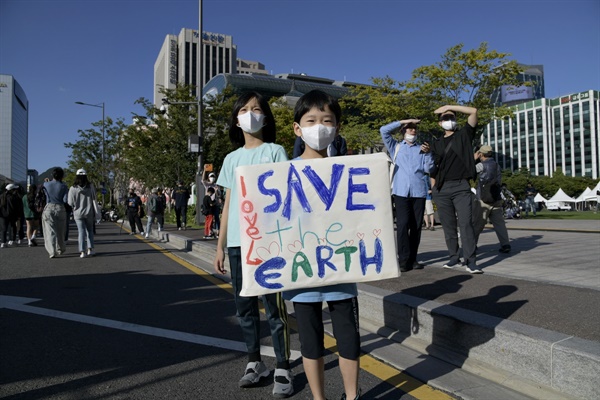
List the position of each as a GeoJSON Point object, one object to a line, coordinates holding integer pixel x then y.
{"type": "Point", "coordinates": [32, 217]}
{"type": "Point", "coordinates": [81, 198]}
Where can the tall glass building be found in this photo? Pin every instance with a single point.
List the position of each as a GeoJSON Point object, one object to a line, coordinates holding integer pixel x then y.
{"type": "Point", "coordinates": [546, 134]}
{"type": "Point", "coordinates": [14, 120]}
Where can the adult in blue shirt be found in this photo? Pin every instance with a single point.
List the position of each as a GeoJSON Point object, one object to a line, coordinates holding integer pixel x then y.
{"type": "Point", "coordinates": [54, 217]}
{"type": "Point", "coordinates": [412, 161]}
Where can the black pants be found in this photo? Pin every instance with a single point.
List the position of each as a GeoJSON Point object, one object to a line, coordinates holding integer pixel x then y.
{"type": "Point", "coordinates": [181, 216]}
{"type": "Point", "coordinates": [409, 220]}
{"type": "Point", "coordinates": [134, 220]}
{"type": "Point", "coordinates": [455, 210]}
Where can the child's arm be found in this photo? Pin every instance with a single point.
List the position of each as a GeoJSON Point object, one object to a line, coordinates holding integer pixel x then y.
{"type": "Point", "coordinates": [219, 262]}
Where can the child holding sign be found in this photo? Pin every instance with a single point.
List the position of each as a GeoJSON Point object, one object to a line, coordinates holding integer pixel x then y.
{"type": "Point", "coordinates": [316, 120]}
{"type": "Point", "coordinates": [252, 129]}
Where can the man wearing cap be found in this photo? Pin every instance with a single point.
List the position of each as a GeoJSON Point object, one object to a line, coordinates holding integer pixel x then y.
{"type": "Point", "coordinates": [490, 176]}
{"type": "Point", "coordinates": [182, 196]}
{"type": "Point", "coordinates": [411, 162]}
{"type": "Point", "coordinates": [454, 168]}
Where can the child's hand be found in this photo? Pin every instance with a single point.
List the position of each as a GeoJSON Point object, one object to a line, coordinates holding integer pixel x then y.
{"type": "Point", "coordinates": [219, 262]}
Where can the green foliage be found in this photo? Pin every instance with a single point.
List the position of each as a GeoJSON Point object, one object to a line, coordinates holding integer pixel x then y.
{"type": "Point", "coordinates": [216, 114]}
{"type": "Point", "coordinates": [545, 185]}
{"type": "Point", "coordinates": [284, 121]}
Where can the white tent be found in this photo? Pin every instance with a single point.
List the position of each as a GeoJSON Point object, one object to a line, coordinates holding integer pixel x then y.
{"type": "Point", "coordinates": [539, 198]}
{"type": "Point", "coordinates": [560, 195]}
{"type": "Point", "coordinates": [559, 201]}
{"type": "Point", "coordinates": [583, 195]}
{"type": "Point", "coordinates": [592, 195]}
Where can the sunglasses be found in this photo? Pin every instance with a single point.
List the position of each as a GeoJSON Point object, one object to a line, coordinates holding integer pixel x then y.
{"type": "Point", "coordinates": [448, 117]}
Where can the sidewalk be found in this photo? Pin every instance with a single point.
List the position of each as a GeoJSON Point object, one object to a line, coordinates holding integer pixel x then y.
{"type": "Point", "coordinates": [531, 321]}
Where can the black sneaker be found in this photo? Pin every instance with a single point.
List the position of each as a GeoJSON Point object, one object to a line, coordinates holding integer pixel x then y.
{"type": "Point", "coordinates": [505, 249]}
{"type": "Point", "coordinates": [356, 398]}
{"type": "Point", "coordinates": [452, 263]}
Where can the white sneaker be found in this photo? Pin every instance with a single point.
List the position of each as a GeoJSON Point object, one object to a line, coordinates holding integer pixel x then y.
{"type": "Point", "coordinates": [254, 371]}
{"type": "Point", "coordinates": [1, 245]}
{"type": "Point", "coordinates": [283, 383]}
{"type": "Point", "coordinates": [146, 236]}
{"type": "Point", "coordinates": [91, 253]}
{"type": "Point", "coordinates": [474, 270]}
{"type": "Point", "coordinates": [10, 242]}
{"type": "Point", "coordinates": [82, 255]}
{"type": "Point", "coordinates": [18, 242]}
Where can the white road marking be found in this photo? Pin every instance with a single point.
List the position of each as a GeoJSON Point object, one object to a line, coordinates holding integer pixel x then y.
{"type": "Point", "coordinates": [20, 304]}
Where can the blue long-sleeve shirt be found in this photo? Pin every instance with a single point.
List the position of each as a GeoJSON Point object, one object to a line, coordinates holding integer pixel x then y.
{"type": "Point", "coordinates": [411, 164]}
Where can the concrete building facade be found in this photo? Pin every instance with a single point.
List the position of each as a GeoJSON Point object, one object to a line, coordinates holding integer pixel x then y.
{"type": "Point", "coordinates": [546, 134]}
{"type": "Point", "coordinates": [177, 61]}
{"type": "Point", "coordinates": [14, 129]}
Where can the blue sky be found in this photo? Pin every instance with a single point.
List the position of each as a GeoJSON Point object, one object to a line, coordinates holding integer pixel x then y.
{"type": "Point", "coordinates": [104, 51]}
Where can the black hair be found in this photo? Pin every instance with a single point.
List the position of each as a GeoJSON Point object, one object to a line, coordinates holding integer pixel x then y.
{"type": "Point", "coordinates": [81, 181]}
{"type": "Point", "coordinates": [268, 131]}
{"type": "Point", "coordinates": [58, 173]}
{"type": "Point", "coordinates": [319, 99]}
{"type": "Point", "coordinates": [446, 113]}
{"type": "Point", "coordinates": [411, 125]}
{"type": "Point", "coordinates": [210, 190]}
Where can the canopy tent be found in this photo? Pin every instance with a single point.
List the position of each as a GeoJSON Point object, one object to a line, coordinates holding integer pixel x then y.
{"type": "Point", "coordinates": [560, 195]}
{"type": "Point", "coordinates": [583, 195]}
{"type": "Point", "coordinates": [592, 195]}
{"type": "Point", "coordinates": [539, 198]}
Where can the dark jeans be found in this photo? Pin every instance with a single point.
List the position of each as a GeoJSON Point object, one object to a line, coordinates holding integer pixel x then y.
{"type": "Point", "coordinates": [181, 216]}
{"type": "Point", "coordinates": [455, 209]}
{"type": "Point", "coordinates": [409, 219]}
{"type": "Point", "coordinates": [249, 316]}
{"type": "Point", "coordinates": [134, 220]}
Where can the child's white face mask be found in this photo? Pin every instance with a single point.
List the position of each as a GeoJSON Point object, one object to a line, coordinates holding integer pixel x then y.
{"type": "Point", "coordinates": [250, 122]}
{"type": "Point", "coordinates": [319, 136]}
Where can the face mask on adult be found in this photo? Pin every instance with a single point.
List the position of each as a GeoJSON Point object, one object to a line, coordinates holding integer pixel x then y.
{"type": "Point", "coordinates": [448, 125]}
{"type": "Point", "coordinates": [318, 137]}
{"type": "Point", "coordinates": [409, 138]}
{"type": "Point", "coordinates": [250, 122]}
{"type": "Point", "coordinates": [211, 179]}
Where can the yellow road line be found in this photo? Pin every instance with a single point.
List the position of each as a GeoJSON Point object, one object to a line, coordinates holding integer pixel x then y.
{"type": "Point", "coordinates": [370, 364]}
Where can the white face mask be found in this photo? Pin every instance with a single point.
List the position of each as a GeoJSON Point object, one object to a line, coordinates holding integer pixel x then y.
{"type": "Point", "coordinates": [409, 138]}
{"type": "Point", "coordinates": [250, 122]}
{"type": "Point", "coordinates": [448, 125]}
{"type": "Point", "coordinates": [318, 137]}
{"type": "Point", "coordinates": [211, 179]}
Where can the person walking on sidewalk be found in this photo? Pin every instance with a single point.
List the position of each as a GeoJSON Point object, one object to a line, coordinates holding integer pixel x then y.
{"type": "Point", "coordinates": [454, 168]}
{"type": "Point", "coordinates": [181, 197]}
{"type": "Point", "coordinates": [54, 217]}
{"type": "Point", "coordinates": [134, 212]}
{"type": "Point", "coordinates": [489, 195]}
{"type": "Point", "coordinates": [155, 208]}
{"type": "Point", "coordinates": [429, 212]}
{"type": "Point", "coordinates": [161, 200]}
{"type": "Point", "coordinates": [32, 217]}
{"type": "Point", "coordinates": [11, 208]}
{"type": "Point", "coordinates": [82, 196]}
{"type": "Point", "coordinates": [412, 161]}
{"type": "Point", "coordinates": [252, 130]}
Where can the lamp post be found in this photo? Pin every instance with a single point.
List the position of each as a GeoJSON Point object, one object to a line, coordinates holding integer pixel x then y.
{"type": "Point", "coordinates": [100, 105]}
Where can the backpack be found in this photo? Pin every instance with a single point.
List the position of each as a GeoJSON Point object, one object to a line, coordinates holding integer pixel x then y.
{"type": "Point", "coordinates": [40, 200]}
{"type": "Point", "coordinates": [160, 205]}
{"type": "Point", "coordinates": [203, 209]}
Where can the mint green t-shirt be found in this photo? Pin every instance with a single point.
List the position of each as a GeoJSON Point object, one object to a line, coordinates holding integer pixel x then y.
{"type": "Point", "coordinates": [263, 154]}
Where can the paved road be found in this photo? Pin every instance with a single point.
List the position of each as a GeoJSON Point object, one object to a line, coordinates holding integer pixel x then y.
{"type": "Point", "coordinates": [135, 323]}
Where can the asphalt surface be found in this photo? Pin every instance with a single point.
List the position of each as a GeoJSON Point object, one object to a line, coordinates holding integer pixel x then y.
{"type": "Point", "coordinates": [551, 278]}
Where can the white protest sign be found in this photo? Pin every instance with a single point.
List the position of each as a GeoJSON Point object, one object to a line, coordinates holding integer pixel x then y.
{"type": "Point", "coordinates": [310, 223]}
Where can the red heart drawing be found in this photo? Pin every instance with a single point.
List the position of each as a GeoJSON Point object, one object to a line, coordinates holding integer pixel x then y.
{"type": "Point", "coordinates": [295, 247]}
{"type": "Point", "coordinates": [361, 236]}
{"type": "Point", "coordinates": [266, 254]}
{"type": "Point", "coordinates": [376, 232]}
{"type": "Point", "coordinates": [349, 242]}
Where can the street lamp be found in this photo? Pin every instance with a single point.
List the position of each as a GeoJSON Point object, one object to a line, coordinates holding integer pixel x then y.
{"type": "Point", "coordinates": [100, 105]}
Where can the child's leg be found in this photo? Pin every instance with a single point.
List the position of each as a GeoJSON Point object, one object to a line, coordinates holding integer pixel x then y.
{"type": "Point", "coordinates": [344, 317]}
{"type": "Point", "coordinates": [309, 317]}
{"type": "Point", "coordinates": [277, 316]}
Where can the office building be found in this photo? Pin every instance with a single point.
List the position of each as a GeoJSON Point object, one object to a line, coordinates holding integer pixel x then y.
{"type": "Point", "coordinates": [251, 67]}
{"type": "Point", "coordinates": [509, 95]}
{"type": "Point", "coordinates": [14, 120]}
{"type": "Point", "coordinates": [544, 135]}
{"type": "Point", "coordinates": [178, 59]}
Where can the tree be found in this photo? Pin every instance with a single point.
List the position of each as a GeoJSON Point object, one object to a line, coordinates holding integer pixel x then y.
{"type": "Point", "coordinates": [216, 113]}
{"type": "Point", "coordinates": [155, 148]}
{"type": "Point", "coordinates": [461, 77]}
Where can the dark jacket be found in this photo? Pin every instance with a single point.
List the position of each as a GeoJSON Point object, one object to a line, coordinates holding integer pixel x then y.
{"type": "Point", "coordinates": [182, 196]}
{"type": "Point", "coordinates": [462, 145]}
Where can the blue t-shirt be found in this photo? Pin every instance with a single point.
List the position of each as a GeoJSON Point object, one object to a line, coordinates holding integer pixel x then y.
{"type": "Point", "coordinates": [263, 154]}
{"type": "Point", "coordinates": [341, 291]}
{"type": "Point", "coordinates": [56, 192]}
